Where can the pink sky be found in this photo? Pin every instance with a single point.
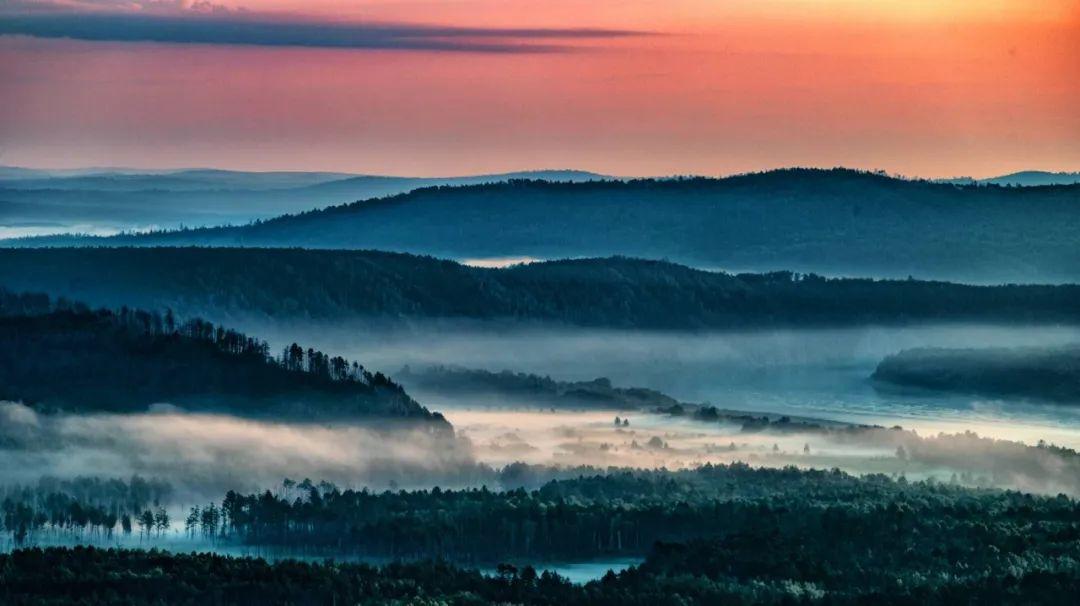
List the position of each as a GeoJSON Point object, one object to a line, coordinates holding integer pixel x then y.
{"type": "Point", "coordinates": [914, 87]}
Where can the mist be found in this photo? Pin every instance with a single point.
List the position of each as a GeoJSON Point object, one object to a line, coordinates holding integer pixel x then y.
{"type": "Point", "coordinates": [204, 455]}
{"type": "Point", "coordinates": [809, 372]}
{"type": "Point", "coordinates": [568, 439]}
{"type": "Point", "coordinates": [820, 374]}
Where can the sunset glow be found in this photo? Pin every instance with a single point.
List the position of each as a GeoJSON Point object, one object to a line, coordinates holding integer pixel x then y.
{"type": "Point", "coordinates": [628, 88]}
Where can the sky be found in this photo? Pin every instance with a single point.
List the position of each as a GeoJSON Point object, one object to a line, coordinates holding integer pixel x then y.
{"type": "Point", "coordinates": [622, 87]}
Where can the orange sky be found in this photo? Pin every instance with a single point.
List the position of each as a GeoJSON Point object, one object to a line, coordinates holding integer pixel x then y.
{"type": "Point", "coordinates": [913, 87]}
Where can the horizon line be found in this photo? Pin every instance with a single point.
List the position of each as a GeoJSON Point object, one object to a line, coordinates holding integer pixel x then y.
{"type": "Point", "coordinates": [131, 171]}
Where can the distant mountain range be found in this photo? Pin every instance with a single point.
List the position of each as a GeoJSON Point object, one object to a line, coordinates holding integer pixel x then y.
{"type": "Point", "coordinates": [34, 202]}
{"type": "Point", "coordinates": [832, 222]}
{"type": "Point", "coordinates": [207, 179]}
{"type": "Point", "coordinates": [104, 201]}
{"type": "Point", "coordinates": [1027, 178]}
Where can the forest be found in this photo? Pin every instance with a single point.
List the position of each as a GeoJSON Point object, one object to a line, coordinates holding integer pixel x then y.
{"type": "Point", "coordinates": [84, 508]}
{"type": "Point", "coordinates": [834, 222]}
{"type": "Point", "coordinates": [616, 292]}
{"type": "Point", "coordinates": [1046, 373]}
{"type": "Point", "coordinates": [713, 534]}
{"type": "Point", "coordinates": [577, 516]}
{"type": "Point", "coordinates": [60, 355]}
{"type": "Point", "coordinates": [626, 513]}
{"type": "Point", "coordinates": [95, 576]}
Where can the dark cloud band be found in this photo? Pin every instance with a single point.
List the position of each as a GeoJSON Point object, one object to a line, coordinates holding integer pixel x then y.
{"type": "Point", "coordinates": [256, 32]}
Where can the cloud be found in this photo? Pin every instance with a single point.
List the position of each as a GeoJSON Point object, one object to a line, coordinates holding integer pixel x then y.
{"type": "Point", "coordinates": [139, 6]}
{"type": "Point", "coordinates": [185, 22]}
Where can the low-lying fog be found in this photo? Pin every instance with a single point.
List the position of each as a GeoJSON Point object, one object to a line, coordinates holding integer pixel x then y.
{"type": "Point", "coordinates": [204, 455]}
{"type": "Point", "coordinates": [813, 372]}
{"type": "Point", "coordinates": [810, 373]}
{"type": "Point", "coordinates": [570, 438]}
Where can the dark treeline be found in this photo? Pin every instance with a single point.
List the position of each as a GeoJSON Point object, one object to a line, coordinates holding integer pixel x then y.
{"type": "Point", "coordinates": [703, 572]}
{"type": "Point", "coordinates": [840, 222]}
{"type": "Point", "coordinates": [611, 292]}
{"type": "Point", "coordinates": [717, 534]}
{"type": "Point", "coordinates": [618, 514]}
{"type": "Point", "coordinates": [524, 388]}
{"type": "Point", "coordinates": [83, 508]}
{"type": "Point", "coordinates": [63, 355]}
{"type": "Point", "coordinates": [1048, 373]}
{"type": "Point", "coordinates": [750, 537]}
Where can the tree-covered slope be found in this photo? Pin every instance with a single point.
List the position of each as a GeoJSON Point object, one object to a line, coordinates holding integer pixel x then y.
{"type": "Point", "coordinates": [837, 222]}
{"type": "Point", "coordinates": [1050, 373]}
{"type": "Point", "coordinates": [611, 292]}
{"type": "Point", "coordinates": [68, 357]}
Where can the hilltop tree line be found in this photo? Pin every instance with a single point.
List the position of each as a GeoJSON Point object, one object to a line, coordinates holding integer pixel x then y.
{"type": "Point", "coordinates": [64, 355]}
{"type": "Point", "coordinates": [609, 292]}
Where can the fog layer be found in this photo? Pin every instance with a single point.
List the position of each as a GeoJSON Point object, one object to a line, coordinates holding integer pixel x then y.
{"type": "Point", "coordinates": [203, 455]}
{"type": "Point", "coordinates": [812, 372]}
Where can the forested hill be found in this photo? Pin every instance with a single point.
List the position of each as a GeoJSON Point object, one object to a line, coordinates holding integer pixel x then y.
{"type": "Point", "coordinates": [1047, 373]}
{"type": "Point", "coordinates": [833, 222]}
{"type": "Point", "coordinates": [64, 356]}
{"type": "Point", "coordinates": [612, 292]}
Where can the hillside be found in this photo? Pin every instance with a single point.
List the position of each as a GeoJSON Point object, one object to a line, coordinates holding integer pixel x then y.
{"type": "Point", "coordinates": [832, 222]}
{"type": "Point", "coordinates": [1046, 373]}
{"type": "Point", "coordinates": [613, 292]}
{"type": "Point", "coordinates": [63, 356]}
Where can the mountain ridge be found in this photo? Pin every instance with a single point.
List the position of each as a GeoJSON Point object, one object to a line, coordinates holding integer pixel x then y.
{"type": "Point", "coordinates": [1023, 178]}
{"type": "Point", "coordinates": [834, 222]}
{"type": "Point", "coordinates": [616, 292]}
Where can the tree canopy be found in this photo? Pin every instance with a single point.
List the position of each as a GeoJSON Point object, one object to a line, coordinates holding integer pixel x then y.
{"type": "Point", "coordinates": [63, 355]}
